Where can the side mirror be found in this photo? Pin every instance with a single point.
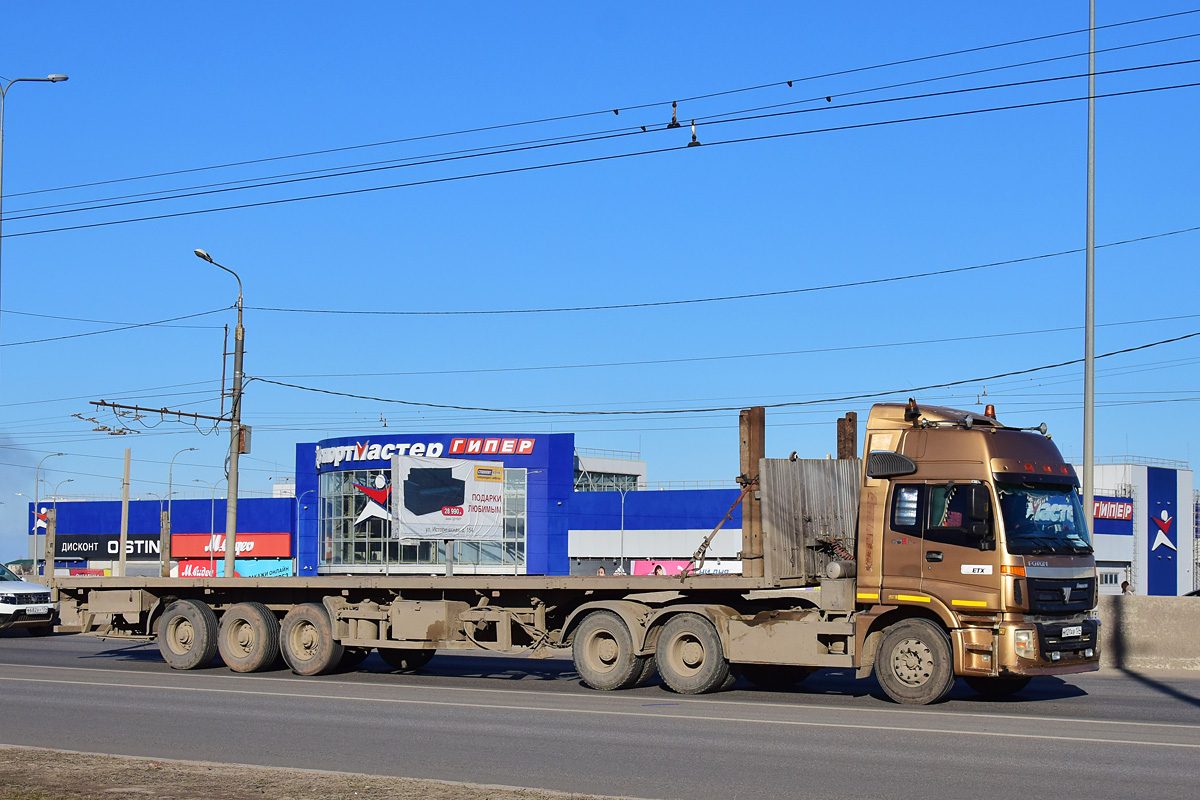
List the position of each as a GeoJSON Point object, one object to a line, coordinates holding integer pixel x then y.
{"type": "Point", "coordinates": [977, 503]}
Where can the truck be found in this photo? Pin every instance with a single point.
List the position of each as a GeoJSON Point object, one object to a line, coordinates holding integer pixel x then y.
{"type": "Point", "coordinates": [956, 547]}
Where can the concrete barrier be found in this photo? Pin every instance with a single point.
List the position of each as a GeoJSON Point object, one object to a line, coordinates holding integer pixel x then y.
{"type": "Point", "coordinates": [1149, 632]}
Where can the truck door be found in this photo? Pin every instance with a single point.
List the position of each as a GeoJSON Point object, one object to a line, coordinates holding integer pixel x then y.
{"type": "Point", "coordinates": [958, 519]}
{"type": "Point", "coordinates": [902, 564]}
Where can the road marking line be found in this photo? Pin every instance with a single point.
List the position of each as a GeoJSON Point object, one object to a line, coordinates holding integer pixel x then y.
{"type": "Point", "coordinates": [596, 712]}
{"type": "Point", "coordinates": [631, 699]}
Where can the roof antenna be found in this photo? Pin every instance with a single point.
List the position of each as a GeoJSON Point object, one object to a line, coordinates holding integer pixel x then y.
{"type": "Point", "coordinates": [694, 142]}
{"type": "Point", "coordinates": [674, 120]}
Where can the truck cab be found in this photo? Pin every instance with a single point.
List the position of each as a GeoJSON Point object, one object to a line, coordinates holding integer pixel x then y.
{"type": "Point", "coordinates": [976, 529]}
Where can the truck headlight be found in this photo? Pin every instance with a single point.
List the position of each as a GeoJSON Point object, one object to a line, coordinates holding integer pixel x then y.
{"type": "Point", "coordinates": [1025, 643]}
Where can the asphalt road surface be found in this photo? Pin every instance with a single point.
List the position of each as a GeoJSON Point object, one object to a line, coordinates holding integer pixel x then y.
{"type": "Point", "coordinates": [531, 723]}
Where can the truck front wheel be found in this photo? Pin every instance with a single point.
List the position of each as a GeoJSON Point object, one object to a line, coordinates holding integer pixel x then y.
{"type": "Point", "coordinates": [603, 653]}
{"type": "Point", "coordinates": [187, 634]}
{"type": "Point", "coordinates": [915, 663]}
{"type": "Point", "coordinates": [249, 637]}
{"type": "Point", "coordinates": [690, 657]}
{"type": "Point", "coordinates": [306, 639]}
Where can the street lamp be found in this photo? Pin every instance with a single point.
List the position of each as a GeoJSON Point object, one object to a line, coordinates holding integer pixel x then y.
{"type": "Point", "coordinates": [235, 422]}
{"type": "Point", "coordinates": [36, 488]}
{"type": "Point", "coordinates": [164, 547]}
{"type": "Point", "coordinates": [4, 87]}
{"type": "Point", "coordinates": [60, 483]}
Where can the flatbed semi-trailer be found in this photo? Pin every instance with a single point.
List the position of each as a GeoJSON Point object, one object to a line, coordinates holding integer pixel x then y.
{"type": "Point", "coordinates": [956, 548]}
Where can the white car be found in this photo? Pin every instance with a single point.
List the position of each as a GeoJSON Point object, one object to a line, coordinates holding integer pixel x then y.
{"type": "Point", "coordinates": [25, 605]}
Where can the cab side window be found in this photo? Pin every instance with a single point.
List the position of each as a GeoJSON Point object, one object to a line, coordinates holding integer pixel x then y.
{"type": "Point", "coordinates": [949, 516]}
{"type": "Point", "coordinates": [908, 509]}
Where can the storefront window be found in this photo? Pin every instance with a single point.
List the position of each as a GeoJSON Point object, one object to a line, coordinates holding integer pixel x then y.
{"type": "Point", "coordinates": [356, 530]}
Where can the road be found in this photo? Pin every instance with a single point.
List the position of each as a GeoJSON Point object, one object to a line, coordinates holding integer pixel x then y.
{"type": "Point", "coordinates": [531, 723]}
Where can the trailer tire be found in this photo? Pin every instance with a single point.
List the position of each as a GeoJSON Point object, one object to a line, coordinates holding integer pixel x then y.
{"type": "Point", "coordinates": [306, 640]}
{"type": "Point", "coordinates": [647, 669]}
{"type": "Point", "coordinates": [690, 657]}
{"type": "Point", "coordinates": [997, 687]}
{"type": "Point", "coordinates": [914, 664]}
{"type": "Point", "coordinates": [603, 653]}
{"type": "Point", "coordinates": [353, 656]}
{"type": "Point", "coordinates": [773, 676]}
{"type": "Point", "coordinates": [405, 659]}
{"type": "Point", "coordinates": [187, 634]}
{"type": "Point", "coordinates": [248, 639]}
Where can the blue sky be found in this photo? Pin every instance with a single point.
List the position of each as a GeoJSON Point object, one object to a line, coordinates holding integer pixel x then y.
{"type": "Point", "coordinates": [163, 88]}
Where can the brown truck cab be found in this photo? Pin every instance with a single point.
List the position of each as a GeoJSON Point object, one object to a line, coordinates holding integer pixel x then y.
{"type": "Point", "coordinates": [977, 528]}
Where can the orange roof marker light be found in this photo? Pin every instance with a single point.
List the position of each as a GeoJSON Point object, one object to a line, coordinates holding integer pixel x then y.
{"type": "Point", "coordinates": [990, 411]}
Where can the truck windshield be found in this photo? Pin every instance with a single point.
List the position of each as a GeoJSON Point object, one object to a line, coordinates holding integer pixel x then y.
{"type": "Point", "coordinates": [1042, 518]}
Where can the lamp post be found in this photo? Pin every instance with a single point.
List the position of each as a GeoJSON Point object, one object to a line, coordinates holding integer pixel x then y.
{"type": "Point", "coordinates": [235, 423]}
{"type": "Point", "coordinates": [623, 493]}
{"type": "Point", "coordinates": [4, 87]}
{"type": "Point", "coordinates": [212, 525]}
{"type": "Point", "coordinates": [36, 488]}
{"type": "Point", "coordinates": [164, 544]}
{"type": "Point", "coordinates": [60, 483]}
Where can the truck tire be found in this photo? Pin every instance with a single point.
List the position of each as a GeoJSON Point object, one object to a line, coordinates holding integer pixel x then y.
{"type": "Point", "coordinates": [603, 653]}
{"type": "Point", "coordinates": [914, 664]}
{"type": "Point", "coordinates": [306, 640]}
{"type": "Point", "coordinates": [690, 657]}
{"type": "Point", "coordinates": [997, 687]}
{"type": "Point", "coordinates": [249, 637]}
{"type": "Point", "coordinates": [646, 671]}
{"type": "Point", "coordinates": [187, 634]}
{"type": "Point", "coordinates": [353, 656]}
{"type": "Point", "coordinates": [404, 659]}
{"type": "Point", "coordinates": [773, 676]}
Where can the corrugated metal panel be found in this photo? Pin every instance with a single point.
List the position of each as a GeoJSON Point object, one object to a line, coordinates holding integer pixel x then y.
{"type": "Point", "coordinates": [806, 502]}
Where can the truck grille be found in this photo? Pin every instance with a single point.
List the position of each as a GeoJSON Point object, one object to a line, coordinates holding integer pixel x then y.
{"type": "Point", "coordinates": [1051, 595]}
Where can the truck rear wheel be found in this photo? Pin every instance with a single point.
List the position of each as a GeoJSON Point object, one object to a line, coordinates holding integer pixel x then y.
{"type": "Point", "coordinates": [249, 637]}
{"type": "Point", "coordinates": [690, 657]}
{"type": "Point", "coordinates": [914, 664]}
{"type": "Point", "coordinates": [997, 687]}
{"type": "Point", "coordinates": [603, 653]}
{"type": "Point", "coordinates": [306, 639]}
{"type": "Point", "coordinates": [405, 659]}
{"type": "Point", "coordinates": [773, 676]}
{"type": "Point", "coordinates": [187, 634]}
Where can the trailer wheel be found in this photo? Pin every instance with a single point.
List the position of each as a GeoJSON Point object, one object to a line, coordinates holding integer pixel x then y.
{"type": "Point", "coordinates": [997, 687]}
{"type": "Point", "coordinates": [353, 656]}
{"type": "Point", "coordinates": [647, 669]}
{"type": "Point", "coordinates": [603, 653]}
{"type": "Point", "coordinates": [187, 634]}
{"type": "Point", "coordinates": [773, 676]}
{"type": "Point", "coordinates": [249, 637]}
{"type": "Point", "coordinates": [404, 659]}
{"type": "Point", "coordinates": [690, 657]}
{"type": "Point", "coordinates": [914, 663]}
{"type": "Point", "coordinates": [306, 639]}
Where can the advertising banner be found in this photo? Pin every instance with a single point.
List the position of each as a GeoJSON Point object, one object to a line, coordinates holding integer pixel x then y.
{"type": "Point", "coordinates": [105, 547]}
{"type": "Point", "coordinates": [671, 567]}
{"type": "Point", "coordinates": [447, 498]}
{"type": "Point", "coordinates": [242, 568]}
{"type": "Point", "coordinates": [256, 545]}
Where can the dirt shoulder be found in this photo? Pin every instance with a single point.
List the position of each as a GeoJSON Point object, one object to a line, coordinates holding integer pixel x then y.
{"type": "Point", "coordinates": [32, 773]}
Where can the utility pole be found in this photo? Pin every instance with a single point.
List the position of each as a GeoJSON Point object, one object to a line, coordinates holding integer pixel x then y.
{"type": "Point", "coordinates": [1089, 324]}
{"type": "Point", "coordinates": [235, 425]}
{"type": "Point", "coordinates": [752, 428]}
{"type": "Point", "coordinates": [124, 517]}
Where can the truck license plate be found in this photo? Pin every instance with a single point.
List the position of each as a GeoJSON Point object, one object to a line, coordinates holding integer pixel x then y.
{"type": "Point", "coordinates": [1072, 630]}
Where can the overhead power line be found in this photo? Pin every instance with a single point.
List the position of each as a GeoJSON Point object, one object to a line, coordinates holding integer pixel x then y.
{"type": "Point", "coordinates": [721, 298]}
{"type": "Point", "coordinates": [129, 327]}
{"type": "Point", "coordinates": [566, 142]}
{"type": "Point", "coordinates": [506, 147]}
{"type": "Point", "coordinates": [600, 159]}
{"type": "Point", "coordinates": [610, 110]}
{"type": "Point", "coordinates": [641, 412]}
